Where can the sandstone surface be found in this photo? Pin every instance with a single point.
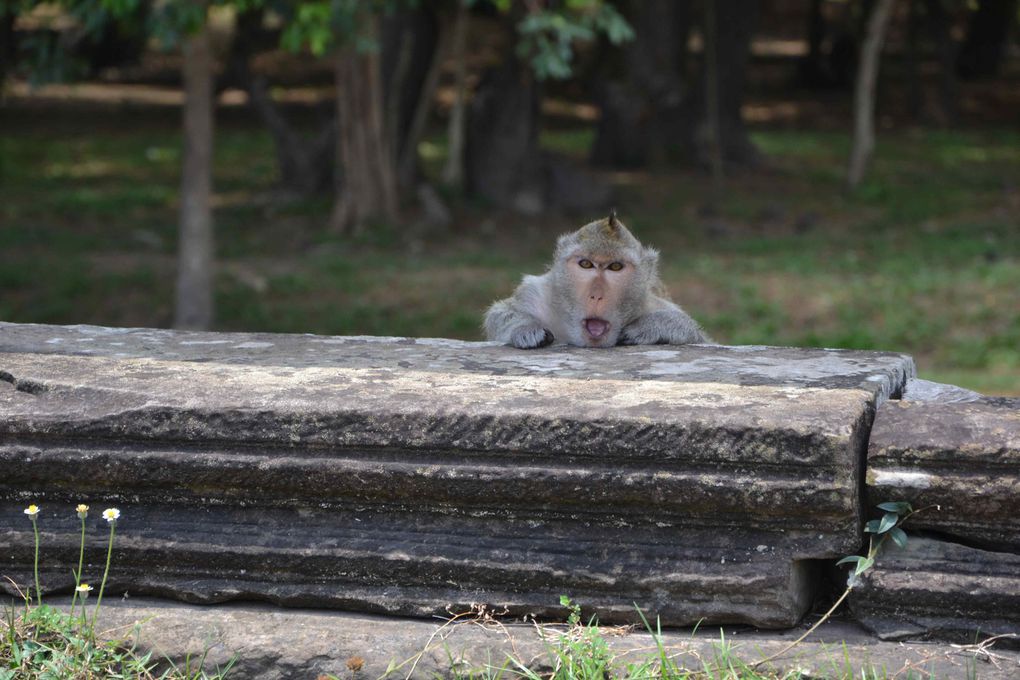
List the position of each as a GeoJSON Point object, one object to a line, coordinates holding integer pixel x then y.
{"type": "Point", "coordinates": [409, 476]}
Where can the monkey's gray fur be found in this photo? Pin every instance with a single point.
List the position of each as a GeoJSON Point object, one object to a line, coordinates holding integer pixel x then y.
{"type": "Point", "coordinates": [602, 289]}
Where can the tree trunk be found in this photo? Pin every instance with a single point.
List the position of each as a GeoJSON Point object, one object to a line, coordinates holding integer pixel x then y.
{"type": "Point", "coordinates": [987, 33]}
{"type": "Point", "coordinates": [736, 21]}
{"type": "Point", "coordinates": [654, 114]}
{"type": "Point", "coordinates": [915, 89]}
{"type": "Point", "coordinates": [713, 122]}
{"type": "Point", "coordinates": [305, 166]}
{"type": "Point", "coordinates": [453, 170]}
{"type": "Point", "coordinates": [411, 55]}
{"type": "Point", "coordinates": [864, 91]}
{"type": "Point", "coordinates": [643, 90]}
{"type": "Point", "coordinates": [8, 49]}
{"type": "Point", "coordinates": [367, 180]}
{"type": "Point", "coordinates": [194, 307]}
{"type": "Point", "coordinates": [940, 26]}
{"type": "Point", "coordinates": [501, 155]}
{"type": "Point", "coordinates": [811, 68]}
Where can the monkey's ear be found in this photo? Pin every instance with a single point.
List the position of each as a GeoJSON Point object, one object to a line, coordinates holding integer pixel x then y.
{"type": "Point", "coordinates": [565, 243]}
{"type": "Point", "coordinates": [650, 259]}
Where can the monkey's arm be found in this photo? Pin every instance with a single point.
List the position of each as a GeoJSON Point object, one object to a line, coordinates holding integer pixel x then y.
{"type": "Point", "coordinates": [664, 324]}
{"type": "Point", "coordinates": [512, 320]}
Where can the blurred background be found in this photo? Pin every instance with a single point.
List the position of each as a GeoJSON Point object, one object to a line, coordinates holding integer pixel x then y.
{"type": "Point", "coordinates": [837, 173]}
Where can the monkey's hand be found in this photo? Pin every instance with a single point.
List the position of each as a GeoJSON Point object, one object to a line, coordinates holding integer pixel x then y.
{"type": "Point", "coordinates": [663, 327]}
{"type": "Point", "coordinates": [531, 337]}
{"type": "Point", "coordinates": [506, 321]}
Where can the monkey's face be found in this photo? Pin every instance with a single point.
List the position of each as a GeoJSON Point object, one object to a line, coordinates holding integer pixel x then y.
{"type": "Point", "coordinates": [599, 289]}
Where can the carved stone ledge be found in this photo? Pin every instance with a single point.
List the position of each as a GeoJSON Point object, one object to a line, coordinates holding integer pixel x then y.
{"type": "Point", "coordinates": [408, 476]}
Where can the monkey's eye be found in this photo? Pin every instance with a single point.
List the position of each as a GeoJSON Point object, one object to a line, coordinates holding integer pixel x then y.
{"type": "Point", "coordinates": [615, 266]}
{"type": "Point", "coordinates": [586, 264]}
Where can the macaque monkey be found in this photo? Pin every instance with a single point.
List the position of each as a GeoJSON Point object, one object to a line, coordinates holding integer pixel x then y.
{"type": "Point", "coordinates": [602, 289]}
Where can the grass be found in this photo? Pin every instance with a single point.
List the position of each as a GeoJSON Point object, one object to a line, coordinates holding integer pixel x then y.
{"type": "Point", "coordinates": [41, 642]}
{"type": "Point", "coordinates": [923, 259]}
{"type": "Point", "coordinates": [579, 651]}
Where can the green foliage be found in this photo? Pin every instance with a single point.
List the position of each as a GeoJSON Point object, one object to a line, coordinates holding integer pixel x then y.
{"type": "Point", "coordinates": [170, 22]}
{"type": "Point", "coordinates": [888, 526]}
{"type": "Point", "coordinates": [310, 25]}
{"type": "Point", "coordinates": [547, 33]}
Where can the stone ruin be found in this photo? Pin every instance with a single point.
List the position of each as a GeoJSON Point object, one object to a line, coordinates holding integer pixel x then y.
{"type": "Point", "coordinates": [701, 484]}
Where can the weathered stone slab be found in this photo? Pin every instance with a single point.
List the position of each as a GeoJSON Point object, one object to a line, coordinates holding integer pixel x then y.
{"type": "Point", "coordinates": [930, 392]}
{"type": "Point", "coordinates": [268, 643]}
{"type": "Point", "coordinates": [937, 589]}
{"type": "Point", "coordinates": [408, 476]}
{"type": "Point", "coordinates": [962, 457]}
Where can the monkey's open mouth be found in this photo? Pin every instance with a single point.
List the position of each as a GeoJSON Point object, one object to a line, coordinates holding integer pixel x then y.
{"type": "Point", "coordinates": [596, 327]}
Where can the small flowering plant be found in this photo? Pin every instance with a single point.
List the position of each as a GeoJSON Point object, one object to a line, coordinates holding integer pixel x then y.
{"type": "Point", "coordinates": [111, 515]}
{"type": "Point", "coordinates": [33, 512]}
{"type": "Point", "coordinates": [81, 590]}
{"type": "Point", "coordinates": [45, 642]}
{"type": "Point", "coordinates": [82, 511]}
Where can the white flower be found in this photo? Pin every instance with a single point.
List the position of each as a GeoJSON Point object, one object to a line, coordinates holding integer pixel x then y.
{"type": "Point", "coordinates": [82, 510]}
{"type": "Point", "coordinates": [84, 590]}
{"type": "Point", "coordinates": [111, 514]}
{"type": "Point", "coordinates": [32, 511]}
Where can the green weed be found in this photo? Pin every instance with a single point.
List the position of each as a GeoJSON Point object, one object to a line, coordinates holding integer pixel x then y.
{"type": "Point", "coordinates": [41, 642]}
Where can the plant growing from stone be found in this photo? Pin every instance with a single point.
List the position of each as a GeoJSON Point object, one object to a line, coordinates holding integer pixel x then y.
{"type": "Point", "coordinates": [82, 511]}
{"type": "Point", "coordinates": [43, 642]}
{"type": "Point", "coordinates": [582, 653]}
{"type": "Point", "coordinates": [888, 527]}
{"type": "Point", "coordinates": [33, 513]}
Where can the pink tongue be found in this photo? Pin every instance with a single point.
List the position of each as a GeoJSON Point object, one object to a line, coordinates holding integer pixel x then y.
{"type": "Point", "coordinates": [596, 327]}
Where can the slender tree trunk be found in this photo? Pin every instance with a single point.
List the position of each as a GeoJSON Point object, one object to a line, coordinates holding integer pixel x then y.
{"type": "Point", "coordinates": [864, 91]}
{"type": "Point", "coordinates": [305, 165]}
{"type": "Point", "coordinates": [812, 71]}
{"type": "Point", "coordinates": [453, 171]}
{"type": "Point", "coordinates": [194, 307]}
{"type": "Point", "coordinates": [367, 186]}
{"type": "Point", "coordinates": [987, 36]}
{"type": "Point", "coordinates": [940, 25]}
{"type": "Point", "coordinates": [735, 23]}
{"type": "Point", "coordinates": [8, 48]}
{"type": "Point", "coordinates": [501, 155]}
{"type": "Point", "coordinates": [713, 124]}
{"type": "Point", "coordinates": [407, 163]}
{"type": "Point", "coordinates": [915, 89]}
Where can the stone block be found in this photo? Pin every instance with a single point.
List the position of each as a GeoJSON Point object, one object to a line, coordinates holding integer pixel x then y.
{"type": "Point", "coordinates": [962, 457]}
{"type": "Point", "coordinates": [961, 461]}
{"type": "Point", "coordinates": [411, 476]}
{"type": "Point", "coordinates": [938, 589]}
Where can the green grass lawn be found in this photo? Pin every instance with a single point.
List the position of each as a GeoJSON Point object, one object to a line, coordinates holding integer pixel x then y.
{"type": "Point", "coordinates": [924, 258]}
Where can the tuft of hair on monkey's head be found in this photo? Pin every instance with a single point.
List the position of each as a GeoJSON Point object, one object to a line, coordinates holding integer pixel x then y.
{"type": "Point", "coordinates": [604, 236]}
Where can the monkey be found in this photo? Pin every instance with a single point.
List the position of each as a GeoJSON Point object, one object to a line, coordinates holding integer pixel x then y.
{"type": "Point", "coordinates": [601, 290]}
